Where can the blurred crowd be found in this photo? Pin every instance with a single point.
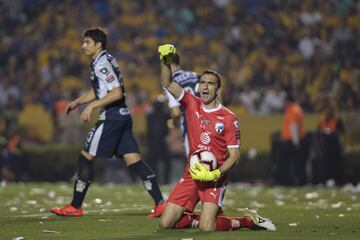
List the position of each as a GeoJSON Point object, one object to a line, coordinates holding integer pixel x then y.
{"type": "Point", "coordinates": [265, 49]}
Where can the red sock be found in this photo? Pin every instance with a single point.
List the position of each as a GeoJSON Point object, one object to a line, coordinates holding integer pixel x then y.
{"type": "Point", "coordinates": [185, 221]}
{"type": "Point", "coordinates": [225, 223]}
{"type": "Point", "coordinates": [246, 222]}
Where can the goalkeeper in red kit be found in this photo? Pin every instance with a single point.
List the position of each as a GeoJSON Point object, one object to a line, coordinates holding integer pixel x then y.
{"type": "Point", "coordinates": [214, 128]}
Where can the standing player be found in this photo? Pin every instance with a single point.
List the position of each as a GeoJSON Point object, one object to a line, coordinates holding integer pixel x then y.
{"type": "Point", "coordinates": [212, 127]}
{"type": "Point", "coordinates": [190, 82]}
{"type": "Point", "coordinates": [112, 134]}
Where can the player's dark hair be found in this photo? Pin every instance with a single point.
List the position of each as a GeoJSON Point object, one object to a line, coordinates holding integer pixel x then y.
{"type": "Point", "coordinates": [176, 59]}
{"type": "Point", "coordinates": [97, 34]}
{"type": "Point", "coordinates": [214, 73]}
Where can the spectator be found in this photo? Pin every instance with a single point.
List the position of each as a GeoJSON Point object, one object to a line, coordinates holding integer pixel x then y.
{"type": "Point", "coordinates": [291, 162]}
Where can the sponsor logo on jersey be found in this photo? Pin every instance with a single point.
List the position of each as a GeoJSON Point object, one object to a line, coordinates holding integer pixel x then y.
{"type": "Point", "coordinates": [110, 78]}
{"type": "Point", "coordinates": [219, 127]}
{"type": "Point", "coordinates": [205, 138]}
{"type": "Point", "coordinates": [205, 121]}
{"type": "Point", "coordinates": [104, 71]}
{"type": "Point", "coordinates": [200, 146]}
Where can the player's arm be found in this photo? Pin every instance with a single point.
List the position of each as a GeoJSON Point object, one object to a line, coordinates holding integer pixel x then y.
{"type": "Point", "coordinates": [231, 161]}
{"type": "Point", "coordinates": [112, 96]}
{"type": "Point", "coordinates": [173, 106]}
{"type": "Point", "coordinates": [167, 82]}
{"type": "Point", "coordinates": [87, 97]}
{"type": "Point", "coordinates": [166, 52]}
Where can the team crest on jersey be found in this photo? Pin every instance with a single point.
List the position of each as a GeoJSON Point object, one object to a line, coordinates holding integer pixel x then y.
{"type": "Point", "coordinates": [219, 127]}
{"type": "Point", "coordinates": [92, 76]}
{"type": "Point", "coordinates": [236, 123]}
{"type": "Point", "coordinates": [104, 71]}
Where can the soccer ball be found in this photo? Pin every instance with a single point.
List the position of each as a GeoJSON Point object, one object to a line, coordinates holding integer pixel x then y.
{"type": "Point", "coordinates": [206, 158]}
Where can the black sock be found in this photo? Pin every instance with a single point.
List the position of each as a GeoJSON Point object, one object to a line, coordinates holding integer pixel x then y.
{"type": "Point", "coordinates": [85, 175]}
{"type": "Point", "coordinates": [141, 169]}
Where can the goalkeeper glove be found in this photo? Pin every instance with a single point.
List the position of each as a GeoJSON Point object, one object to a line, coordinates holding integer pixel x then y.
{"type": "Point", "coordinates": [202, 174]}
{"type": "Point", "coordinates": [166, 53]}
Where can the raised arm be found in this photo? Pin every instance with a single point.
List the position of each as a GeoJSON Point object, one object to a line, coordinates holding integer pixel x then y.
{"type": "Point", "coordinates": [166, 52]}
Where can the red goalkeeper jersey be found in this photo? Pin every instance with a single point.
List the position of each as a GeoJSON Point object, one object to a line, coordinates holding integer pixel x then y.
{"type": "Point", "coordinates": [214, 130]}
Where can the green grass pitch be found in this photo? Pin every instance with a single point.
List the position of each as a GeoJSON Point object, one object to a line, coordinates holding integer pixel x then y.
{"type": "Point", "coordinates": [119, 212]}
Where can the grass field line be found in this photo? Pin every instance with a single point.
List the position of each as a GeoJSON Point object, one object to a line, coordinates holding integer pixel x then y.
{"type": "Point", "coordinates": [85, 212]}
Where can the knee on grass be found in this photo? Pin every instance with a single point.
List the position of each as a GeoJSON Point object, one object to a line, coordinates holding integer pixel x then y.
{"type": "Point", "coordinates": [165, 224]}
{"type": "Point", "coordinates": [207, 227]}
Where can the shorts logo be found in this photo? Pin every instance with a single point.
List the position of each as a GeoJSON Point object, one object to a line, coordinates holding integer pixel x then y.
{"type": "Point", "coordinates": [124, 111]}
{"type": "Point", "coordinates": [219, 127]}
{"type": "Point", "coordinates": [205, 138]}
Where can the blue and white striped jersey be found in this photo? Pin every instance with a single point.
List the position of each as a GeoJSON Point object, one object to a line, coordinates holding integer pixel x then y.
{"type": "Point", "coordinates": [105, 76]}
{"type": "Point", "coordinates": [190, 82]}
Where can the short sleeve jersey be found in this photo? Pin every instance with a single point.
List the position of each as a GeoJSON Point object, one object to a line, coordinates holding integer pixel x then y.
{"type": "Point", "coordinates": [214, 130]}
{"type": "Point", "coordinates": [105, 76]}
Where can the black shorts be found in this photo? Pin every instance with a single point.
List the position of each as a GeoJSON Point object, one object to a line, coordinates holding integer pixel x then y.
{"type": "Point", "coordinates": [111, 137]}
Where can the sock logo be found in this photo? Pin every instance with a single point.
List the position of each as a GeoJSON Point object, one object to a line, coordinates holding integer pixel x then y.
{"type": "Point", "coordinates": [147, 185]}
{"type": "Point", "coordinates": [80, 186]}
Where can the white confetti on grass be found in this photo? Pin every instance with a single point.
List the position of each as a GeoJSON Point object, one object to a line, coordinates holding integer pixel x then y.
{"type": "Point", "coordinates": [312, 195]}
{"type": "Point", "coordinates": [294, 224]}
{"type": "Point", "coordinates": [13, 209]}
{"type": "Point", "coordinates": [279, 203]}
{"type": "Point", "coordinates": [337, 205]}
{"type": "Point", "coordinates": [18, 238]}
{"type": "Point", "coordinates": [51, 194]}
{"type": "Point", "coordinates": [104, 220]}
{"type": "Point", "coordinates": [31, 202]}
{"type": "Point", "coordinates": [49, 231]}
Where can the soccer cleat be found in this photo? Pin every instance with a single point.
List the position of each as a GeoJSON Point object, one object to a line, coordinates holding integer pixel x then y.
{"type": "Point", "coordinates": [158, 210]}
{"type": "Point", "coordinates": [259, 223]}
{"type": "Point", "coordinates": [68, 211]}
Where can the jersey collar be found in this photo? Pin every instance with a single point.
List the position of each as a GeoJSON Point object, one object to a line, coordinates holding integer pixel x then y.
{"type": "Point", "coordinates": [211, 110]}
{"type": "Point", "coordinates": [103, 52]}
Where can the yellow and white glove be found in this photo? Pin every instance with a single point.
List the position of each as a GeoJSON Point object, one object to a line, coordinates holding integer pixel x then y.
{"type": "Point", "coordinates": [202, 174]}
{"type": "Point", "coordinates": [166, 52]}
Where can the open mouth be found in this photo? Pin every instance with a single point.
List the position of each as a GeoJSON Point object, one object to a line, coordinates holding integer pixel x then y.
{"type": "Point", "coordinates": [205, 94]}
